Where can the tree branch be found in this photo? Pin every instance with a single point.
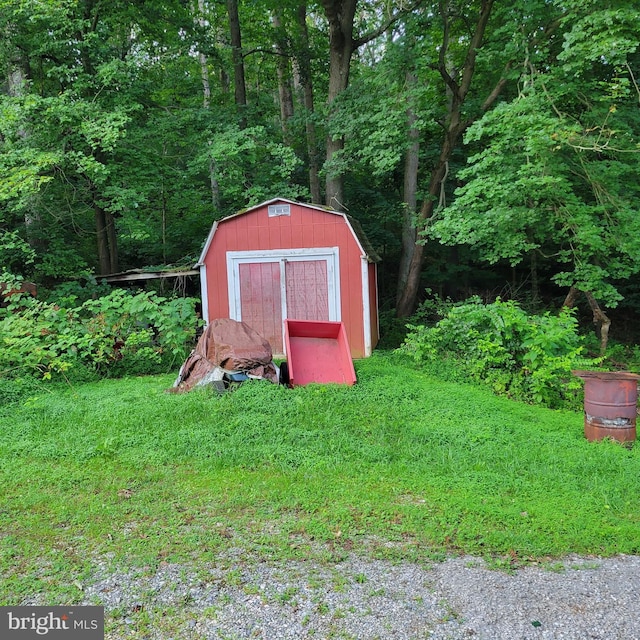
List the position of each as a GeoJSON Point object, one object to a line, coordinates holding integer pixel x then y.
{"type": "Point", "coordinates": [493, 96]}
{"type": "Point", "coordinates": [268, 51]}
{"type": "Point", "coordinates": [474, 45]}
{"type": "Point", "coordinates": [442, 66]}
{"type": "Point", "coordinates": [633, 79]}
{"type": "Point", "coordinates": [372, 35]}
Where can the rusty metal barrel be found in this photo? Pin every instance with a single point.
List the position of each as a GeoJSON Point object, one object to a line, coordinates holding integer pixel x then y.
{"type": "Point", "coordinates": [610, 404]}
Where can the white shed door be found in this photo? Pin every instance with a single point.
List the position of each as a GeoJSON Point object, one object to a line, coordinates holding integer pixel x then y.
{"type": "Point", "coordinates": [266, 288]}
{"type": "Point", "coordinates": [307, 289]}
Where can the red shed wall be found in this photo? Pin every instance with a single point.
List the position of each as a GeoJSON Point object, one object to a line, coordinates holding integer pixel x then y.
{"type": "Point", "coordinates": [305, 228]}
{"type": "Point", "coordinates": [373, 305]}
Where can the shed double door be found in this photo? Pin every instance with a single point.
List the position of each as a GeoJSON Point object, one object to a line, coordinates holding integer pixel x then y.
{"type": "Point", "coordinates": [269, 287]}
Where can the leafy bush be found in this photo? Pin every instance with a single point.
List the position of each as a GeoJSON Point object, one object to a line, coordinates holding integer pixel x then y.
{"type": "Point", "coordinates": [15, 253]}
{"type": "Point", "coordinates": [619, 355]}
{"type": "Point", "coordinates": [527, 357]}
{"type": "Point", "coordinates": [72, 293]}
{"type": "Point", "coordinates": [393, 330]}
{"type": "Point", "coordinates": [116, 334]}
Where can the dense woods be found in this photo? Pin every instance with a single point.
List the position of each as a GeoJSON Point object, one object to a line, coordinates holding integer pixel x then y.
{"type": "Point", "coordinates": [486, 147]}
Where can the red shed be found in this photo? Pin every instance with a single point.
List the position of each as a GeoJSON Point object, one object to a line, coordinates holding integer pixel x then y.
{"type": "Point", "coordinates": [284, 259]}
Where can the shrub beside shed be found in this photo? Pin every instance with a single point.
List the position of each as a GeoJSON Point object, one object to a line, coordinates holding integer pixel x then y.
{"type": "Point", "coordinates": [283, 259]}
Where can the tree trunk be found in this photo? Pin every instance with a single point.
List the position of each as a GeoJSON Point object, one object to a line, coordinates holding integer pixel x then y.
{"type": "Point", "coordinates": [600, 318]}
{"type": "Point", "coordinates": [535, 285]}
{"type": "Point", "coordinates": [285, 94]}
{"type": "Point", "coordinates": [112, 239]}
{"type": "Point", "coordinates": [407, 298]}
{"type": "Point", "coordinates": [340, 15]}
{"type": "Point", "coordinates": [571, 297]}
{"type": "Point", "coordinates": [106, 238]}
{"type": "Point", "coordinates": [240, 89]}
{"type": "Point", "coordinates": [104, 261]}
{"type": "Point", "coordinates": [458, 85]}
{"type": "Point", "coordinates": [214, 185]}
{"type": "Point", "coordinates": [410, 188]}
{"type": "Point", "coordinates": [16, 83]}
{"type": "Point", "coordinates": [206, 101]}
{"type": "Point", "coordinates": [303, 81]}
{"type": "Point", "coordinates": [204, 67]}
{"type": "Point", "coordinates": [164, 223]}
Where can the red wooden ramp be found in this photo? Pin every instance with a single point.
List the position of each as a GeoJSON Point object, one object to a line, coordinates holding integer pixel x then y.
{"type": "Point", "coordinates": [318, 351]}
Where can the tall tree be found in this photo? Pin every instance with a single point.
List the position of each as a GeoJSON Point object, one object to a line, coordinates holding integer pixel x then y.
{"type": "Point", "coordinates": [83, 63]}
{"type": "Point", "coordinates": [239, 84]}
{"type": "Point", "coordinates": [457, 82]}
{"type": "Point", "coordinates": [340, 16]}
{"type": "Point", "coordinates": [303, 82]}
{"type": "Point", "coordinates": [409, 188]}
{"type": "Point", "coordinates": [200, 17]}
{"type": "Point", "coordinates": [283, 72]}
{"type": "Point", "coordinates": [568, 192]}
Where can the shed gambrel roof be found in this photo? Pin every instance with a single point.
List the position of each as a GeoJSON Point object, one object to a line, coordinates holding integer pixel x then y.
{"type": "Point", "coordinates": [352, 223]}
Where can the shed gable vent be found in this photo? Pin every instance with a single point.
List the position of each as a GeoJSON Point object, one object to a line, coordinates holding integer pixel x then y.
{"type": "Point", "coordinates": [279, 210]}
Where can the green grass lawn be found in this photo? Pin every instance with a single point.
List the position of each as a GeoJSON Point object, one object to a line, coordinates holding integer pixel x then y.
{"type": "Point", "coordinates": [400, 465]}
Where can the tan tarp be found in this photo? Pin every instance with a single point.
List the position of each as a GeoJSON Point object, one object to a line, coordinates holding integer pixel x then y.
{"type": "Point", "coordinates": [227, 345]}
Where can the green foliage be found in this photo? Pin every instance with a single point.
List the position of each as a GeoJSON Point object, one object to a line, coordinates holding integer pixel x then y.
{"type": "Point", "coordinates": [116, 334]}
{"type": "Point", "coordinates": [15, 254]}
{"type": "Point", "coordinates": [604, 36]}
{"type": "Point", "coordinates": [61, 262]}
{"type": "Point", "coordinates": [551, 196]}
{"type": "Point", "coordinates": [554, 168]}
{"type": "Point", "coordinates": [251, 167]}
{"type": "Point", "coordinates": [75, 292]}
{"type": "Point", "coordinates": [620, 356]}
{"type": "Point", "coordinates": [392, 329]}
{"type": "Point", "coordinates": [527, 357]}
{"type": "Point", "coordinates": [108, 107]}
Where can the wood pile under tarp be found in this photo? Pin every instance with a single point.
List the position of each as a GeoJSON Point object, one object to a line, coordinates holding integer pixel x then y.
{"type": "Point", "coordinates": [226, 347]}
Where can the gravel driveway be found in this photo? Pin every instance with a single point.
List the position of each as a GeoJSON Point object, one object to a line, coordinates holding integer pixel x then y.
{"type": "Point", "coordinates": [360, 598]}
